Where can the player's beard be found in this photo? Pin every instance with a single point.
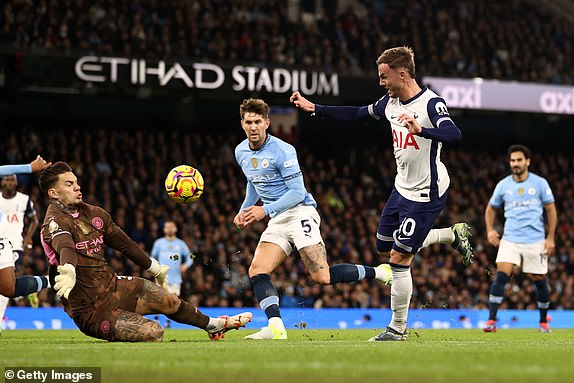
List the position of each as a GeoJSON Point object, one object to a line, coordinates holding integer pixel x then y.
{"type": "Point", "coordinates": [518, 170]}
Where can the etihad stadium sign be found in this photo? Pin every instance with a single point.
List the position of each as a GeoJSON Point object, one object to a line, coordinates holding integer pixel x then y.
{"type": "Point", "coordinates": [140, 72]}
{"type": "Point", "coordinates": [503, 95]}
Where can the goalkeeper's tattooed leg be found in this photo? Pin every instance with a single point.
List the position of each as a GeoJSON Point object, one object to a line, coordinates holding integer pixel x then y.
{"type": "Point", "coordinates": [132, 327]}
{"type": "Point", "coordinates": [154, 299]}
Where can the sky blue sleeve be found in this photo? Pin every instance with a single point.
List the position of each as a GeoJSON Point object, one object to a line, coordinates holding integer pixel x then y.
{"type": "Point", "coordinates": [187, 254]}
{"type": "Point", "coordinates": [251, 196]}
{"type": "Point", "coordinates": [294, 196]}
{"type": "Point", "coordinates": [496, 200]}
{"type": "Point", "coordinates": [6, 170]}
{"type": "Point", "coordinates": [545, 192]}
{"type": "Point", "coordinates": [154, 252]}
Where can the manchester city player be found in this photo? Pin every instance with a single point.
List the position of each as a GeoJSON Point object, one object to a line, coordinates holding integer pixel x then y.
{"type": "Point", "coordinates": [525, 197]}
{"type": "Point", "coordinates": [274, 177]}
{"type": "Point", "coordinates": [420, 123]}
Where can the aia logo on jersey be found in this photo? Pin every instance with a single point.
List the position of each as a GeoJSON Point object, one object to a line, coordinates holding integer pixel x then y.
{"type": "Point", "coordinates": [403, 141]}
{"type": "Point", "coordinates": [11, 218]}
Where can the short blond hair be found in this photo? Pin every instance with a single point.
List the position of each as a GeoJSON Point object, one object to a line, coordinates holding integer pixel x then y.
{"type": "Point", "coordinates": [399, 57]}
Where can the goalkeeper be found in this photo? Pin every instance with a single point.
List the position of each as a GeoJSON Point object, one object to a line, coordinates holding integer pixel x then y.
{"type": "Point", "coordinates": [102, 304]}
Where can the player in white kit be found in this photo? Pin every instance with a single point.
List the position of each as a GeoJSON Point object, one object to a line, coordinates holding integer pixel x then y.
{"type": "Point", "coordinates": [420, 123]}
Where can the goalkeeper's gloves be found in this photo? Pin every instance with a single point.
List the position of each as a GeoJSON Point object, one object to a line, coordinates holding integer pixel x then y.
{"type": "Point", "coordinates": [159, 272]}
{"type": "Point", "coordinates": [65, 281]}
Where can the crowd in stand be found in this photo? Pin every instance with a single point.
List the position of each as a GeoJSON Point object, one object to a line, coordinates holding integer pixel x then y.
{"type": "Point", "coordinates": [123, 171]}
{"type": "Point", "coordinates": [511, 40]}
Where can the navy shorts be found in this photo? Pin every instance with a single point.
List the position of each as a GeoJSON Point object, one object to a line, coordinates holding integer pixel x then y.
{"type": "Point", "coordinates": [404, 224]}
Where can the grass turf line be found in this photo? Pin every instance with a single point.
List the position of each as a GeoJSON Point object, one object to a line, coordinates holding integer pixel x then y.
{"type": "Point", "coordinates": [308, 356]}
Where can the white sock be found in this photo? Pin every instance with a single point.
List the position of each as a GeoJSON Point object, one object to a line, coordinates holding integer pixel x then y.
{"type": "Point", "coordinates": [214, 323]}
{"type": "Point", "coordinates": [276, 322]}
{"type": "Point", "coordinates": [445, 235]}
{"type": "Point", "coordinates": [3, 304]}
{"type": "Point", "coordinates": [401, 291]}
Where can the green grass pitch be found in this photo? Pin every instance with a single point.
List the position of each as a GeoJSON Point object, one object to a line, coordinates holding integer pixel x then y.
{"type": "Point", "coordinates": [465, 356]}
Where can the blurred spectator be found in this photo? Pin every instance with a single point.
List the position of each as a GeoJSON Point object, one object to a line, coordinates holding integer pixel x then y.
{"type": "Point", "coordinates": [513, 40]}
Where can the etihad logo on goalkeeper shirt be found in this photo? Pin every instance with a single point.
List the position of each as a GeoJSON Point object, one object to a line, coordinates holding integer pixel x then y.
{"type": "Point", "coordinates": [91, 246]}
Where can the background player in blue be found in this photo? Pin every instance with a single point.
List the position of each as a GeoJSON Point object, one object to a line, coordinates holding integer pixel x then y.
{"type": "Point", "coordinates": [420, 123]}
{"type": "Point", "coordinates": [273, 175]}
{"type": "Point", "coordinates": [173, 252]}
{"type": "Point", "coordinates": [525, 197]}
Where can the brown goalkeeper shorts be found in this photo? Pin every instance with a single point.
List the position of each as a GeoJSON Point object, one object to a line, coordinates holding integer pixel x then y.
{"type": "Point", "coordinates": [100, 321]}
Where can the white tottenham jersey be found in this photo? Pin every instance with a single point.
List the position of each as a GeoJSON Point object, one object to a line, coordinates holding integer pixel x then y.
{"type": "Point", "coordinates": [421, 176]}
{"type": "Point", "coordinates": [12, 213]}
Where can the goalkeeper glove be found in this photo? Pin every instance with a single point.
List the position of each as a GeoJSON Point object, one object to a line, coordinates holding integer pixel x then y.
{"type": "Point", "coordinates": [65, 281]}
{"type": "Point", "coordinates": [159, 272]}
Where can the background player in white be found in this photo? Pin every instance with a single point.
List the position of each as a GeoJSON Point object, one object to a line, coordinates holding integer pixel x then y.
{"type": "Point", "coordinates": [273, 175]}
{"type": "Point", "coordinates": [420, 123]}
{"type": "Point", "coordinates": [173, 252]}
{"type": "Point", "coordinates": [10, 286]}
{"type": "Point", "coordinates": [16, 208]}
{"type": "Point", "coordinates": [525, 197]}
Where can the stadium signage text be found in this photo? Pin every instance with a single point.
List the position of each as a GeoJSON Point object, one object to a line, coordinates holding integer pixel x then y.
{"type": "Point", "coordinates": [503, 95]}
{"type": "Point", "coordinates": [96, 69]}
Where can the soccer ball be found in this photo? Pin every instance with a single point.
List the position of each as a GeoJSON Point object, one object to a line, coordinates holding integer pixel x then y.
{"type": "Point", "coordinates": [184, 184]}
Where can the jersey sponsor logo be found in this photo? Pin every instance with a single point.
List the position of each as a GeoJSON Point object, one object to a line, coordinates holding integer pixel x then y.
{"type": "Point", "coordinates": [441, 108]}
{"type": "Point", "coordinates": [254, 163]}
{"type": "Point", "coordinates": [289, 163]}
{"type": "Point", "coordinates": [265, 163]}
{"type": "Point", "coordinates": [98, 223]}
{"type": "Point", "coordinates": [11, 218]}
{"type": "Point", "coordinates": [523, 205]}
{"type": "Point", "coordinates": [91, 246]}
{"type": "Point", "coordinates": [262, 177]}
{"type": "Point", "coordinates": [404, 141]}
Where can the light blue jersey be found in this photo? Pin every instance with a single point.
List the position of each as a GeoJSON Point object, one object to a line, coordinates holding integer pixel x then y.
{"type": "Point", "coordinates": [273, 174]}
{"type": "Point", "coordinates": [172, 253]}
{"type": "Point", "coordinates": [523, 207]}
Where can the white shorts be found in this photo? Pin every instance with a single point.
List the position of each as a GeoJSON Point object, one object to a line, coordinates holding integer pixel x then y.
{"type": "Point", "coordinates": [7, 255]}
{"type": "Point", "coordinates": [297, 226]}
{"type": "Point", "coordinates": [528, 255]}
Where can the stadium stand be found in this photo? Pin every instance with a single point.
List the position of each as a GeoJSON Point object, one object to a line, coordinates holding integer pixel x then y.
{"type": "Point", "coordinates": [470, 38]}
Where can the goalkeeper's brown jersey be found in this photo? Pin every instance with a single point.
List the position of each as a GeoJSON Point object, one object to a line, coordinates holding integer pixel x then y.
{"type": "Point", "coordinates": [85, 234]}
